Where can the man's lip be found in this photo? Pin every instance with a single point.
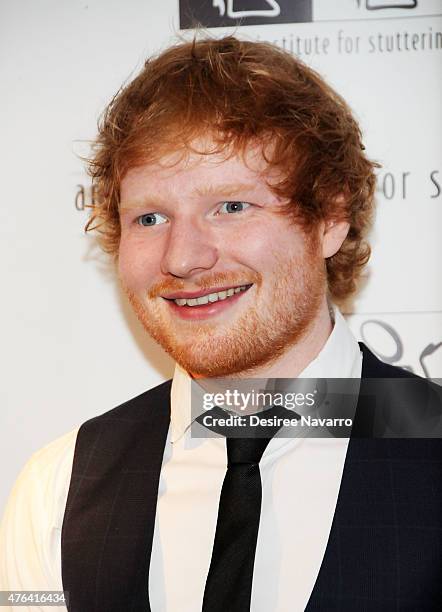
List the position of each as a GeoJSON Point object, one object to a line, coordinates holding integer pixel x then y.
{"type": "Point", "coordinates": [194, 294]}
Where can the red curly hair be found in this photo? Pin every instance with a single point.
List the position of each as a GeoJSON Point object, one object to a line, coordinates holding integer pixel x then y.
{"type": "Point", "coordinates": [240, 92]}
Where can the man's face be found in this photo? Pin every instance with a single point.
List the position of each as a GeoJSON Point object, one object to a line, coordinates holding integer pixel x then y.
{"type": "Point", "coordinates": [221, 280]}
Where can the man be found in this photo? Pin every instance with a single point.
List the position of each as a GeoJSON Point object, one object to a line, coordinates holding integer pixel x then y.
{"type": "Point", "coordinates": [234, 194]}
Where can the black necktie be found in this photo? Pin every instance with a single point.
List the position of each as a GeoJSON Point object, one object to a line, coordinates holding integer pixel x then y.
{"type": "Point", "coordinates": [229, 581]}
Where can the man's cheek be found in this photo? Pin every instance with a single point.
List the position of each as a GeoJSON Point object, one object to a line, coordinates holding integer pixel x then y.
{"type": "Point", "coordinates": [134, 268]}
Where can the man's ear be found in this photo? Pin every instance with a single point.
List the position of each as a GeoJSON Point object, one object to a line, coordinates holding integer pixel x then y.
{"type": "Point", "coordinates": [334, 234]}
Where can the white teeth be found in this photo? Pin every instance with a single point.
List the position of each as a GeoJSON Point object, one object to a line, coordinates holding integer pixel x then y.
{"type": "Point", "coordinates": [211, 297]}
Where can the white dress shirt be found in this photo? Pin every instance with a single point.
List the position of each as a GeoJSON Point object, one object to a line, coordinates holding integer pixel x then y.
{"type": "Point", "coordinates": [300, 480]}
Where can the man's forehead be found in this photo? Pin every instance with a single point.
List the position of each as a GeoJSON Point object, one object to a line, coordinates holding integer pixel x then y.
{"type": "Point", "coordinates": [204, 169]}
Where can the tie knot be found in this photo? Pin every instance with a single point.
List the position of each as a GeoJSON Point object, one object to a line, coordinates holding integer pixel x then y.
{"type": "Point", "coordinates": [246, 450]}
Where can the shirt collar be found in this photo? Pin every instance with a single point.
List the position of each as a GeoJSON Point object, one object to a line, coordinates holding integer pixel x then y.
{"type": "Point", "coordinates": [340, 357]}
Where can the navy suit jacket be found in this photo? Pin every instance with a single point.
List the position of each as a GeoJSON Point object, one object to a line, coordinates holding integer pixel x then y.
{"type": "Point", "coordinates": [384, 550]}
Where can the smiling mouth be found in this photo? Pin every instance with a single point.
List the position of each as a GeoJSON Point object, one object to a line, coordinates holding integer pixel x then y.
{"type": "Point", "coordinates": [209, 298]}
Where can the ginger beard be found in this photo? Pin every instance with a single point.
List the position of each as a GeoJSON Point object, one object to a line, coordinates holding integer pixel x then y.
{"type": "Point", "coordinates": [278, 312]}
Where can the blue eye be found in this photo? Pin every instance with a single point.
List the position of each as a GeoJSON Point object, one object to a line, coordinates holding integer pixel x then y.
{"type": "Point", "coordinates": [151, 219]}
{"type": "Point", "coordinates": [233, 207]}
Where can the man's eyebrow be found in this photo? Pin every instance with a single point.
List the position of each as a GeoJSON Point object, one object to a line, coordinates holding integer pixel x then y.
{"type": "Point", "coordinates": [221, 189]}
{"type": "Point", "coordinates": [147, 202]}
{"type": "Point", "coordinates": [225, 189]}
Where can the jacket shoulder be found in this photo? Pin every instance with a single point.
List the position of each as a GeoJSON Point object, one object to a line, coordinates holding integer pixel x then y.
{"type": "Point", "coordinates": [373, 367]}
{"type": "Point", "coordinates": [109, 439]}
{"type": "Point", "coordinates": [394, 402]}
{"type": "Point", "coordinates": [137, 408]}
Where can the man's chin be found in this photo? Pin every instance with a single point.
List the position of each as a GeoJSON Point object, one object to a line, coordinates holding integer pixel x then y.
{"type": "Point", "coordinates": [217, 356]}
{"type": "Point", "coordinates": [200, 358]}
{"type": "Point", "coordinates": [206, 368]}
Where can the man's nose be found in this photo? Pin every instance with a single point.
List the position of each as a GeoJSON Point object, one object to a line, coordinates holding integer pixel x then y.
{"type": "Point", "coordinates": [189, 250]}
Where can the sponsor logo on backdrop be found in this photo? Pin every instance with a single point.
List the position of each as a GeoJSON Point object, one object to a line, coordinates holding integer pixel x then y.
{"type": "Point", "coordinates": [221, 13]}
{"type": "Point", "coordinates": [84, 197]}
{"type": "Point", "coordinates": [373, 5]}
{"type": "Point", "coordinates": [396, 185]}
{"type": "Point", "coordinates": [217, 13]}
{"type": "Point", "coordinates": [395, 357]}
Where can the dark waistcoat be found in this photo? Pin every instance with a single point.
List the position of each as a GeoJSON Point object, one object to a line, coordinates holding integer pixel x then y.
{"type": "Point", "coordinates": [384, 551]}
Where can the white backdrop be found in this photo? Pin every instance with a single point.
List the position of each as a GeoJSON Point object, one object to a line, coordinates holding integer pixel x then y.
{"type": "Point", "coordinates": [71, 348]}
